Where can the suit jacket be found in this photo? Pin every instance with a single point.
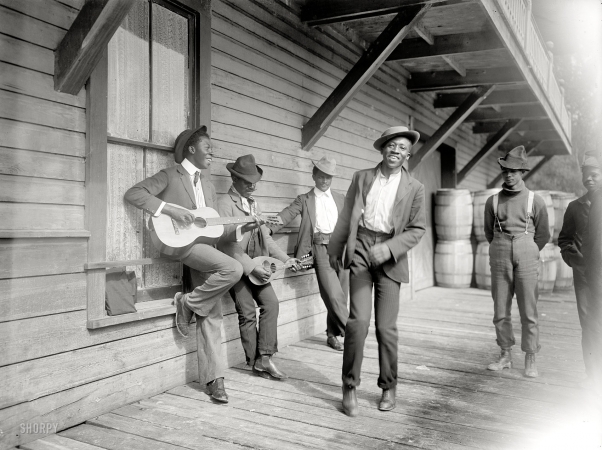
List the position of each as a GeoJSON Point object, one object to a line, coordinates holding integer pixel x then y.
{"type": "Point", "coordinates": [409, 221]}
{"type": "Point", "coordinates": [171, 185]}
{"type": "Point", "coordinates": [230, 206]}
{"type": "Point", "coordinates": [305, 204]}
{"type": "Point", "coordinates": [574, 228]}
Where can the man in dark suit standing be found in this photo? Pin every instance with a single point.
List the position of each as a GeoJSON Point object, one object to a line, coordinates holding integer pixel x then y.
{"type": "Point", "coordinates": [212, 272]}
{"type": "Point", "coordinates": [243, 243]}
{"type": "Point", "coordinates": [319, 209]}
{"type": "Point", "coordinates": [383, 218]}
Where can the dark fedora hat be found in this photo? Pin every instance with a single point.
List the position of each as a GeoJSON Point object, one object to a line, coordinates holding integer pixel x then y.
{"type": "Point", "coordinates": [182, 139]}
{"type": "Point", "coordinates": [244, 167]}
{"type": "Point", "coordinates": [515, 159]}
{"type": "Point", "coordinates": [394, 132]}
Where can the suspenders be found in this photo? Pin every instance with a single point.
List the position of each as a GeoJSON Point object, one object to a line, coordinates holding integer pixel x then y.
{"type": "Point", "coordinates": [496, 200]}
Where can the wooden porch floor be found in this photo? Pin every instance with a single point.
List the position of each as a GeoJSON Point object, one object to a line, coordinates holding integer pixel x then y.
{"type": "Point", "coordinates": [446, 399]}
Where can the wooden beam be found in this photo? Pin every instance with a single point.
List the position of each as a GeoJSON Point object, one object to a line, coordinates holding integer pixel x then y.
{"type": "Point", "coordinates": [449, 126]}
{"type": "Point", "coordinates": [527, 125]}
{"type": "Point", "coordinates": [361, 72]}
{"type": "Point", "coordinates": [529, 148]}
{"type": "Point", "coordinates": [455, 64]}
{"type": "Point", "coordinates": [538, 166]}
{"type": "Point", "coordinates": [498, 98]}
{"type": "Point", "coordinates": [424, 33]}
{"type": "Point", "coordinates": [453, 44]}
{"type": "Point", "coordinates": [433, 81]}
{"type": "Point", "coordinates": [318, 12]}
{"type": "Point", "coordinates": [490, 146]}
{"type": "Point", "coordinates": [508, 112]}
{"type": "Point", "coordinates": [82, 46]}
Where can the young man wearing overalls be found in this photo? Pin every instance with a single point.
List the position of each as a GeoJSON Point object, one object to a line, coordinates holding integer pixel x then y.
{"type": "Point", "coordinates": [516, 226]}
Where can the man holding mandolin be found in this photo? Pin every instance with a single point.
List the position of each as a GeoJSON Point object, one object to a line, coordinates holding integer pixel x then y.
{"type": "Point", "coordinates": [169, 196]}
{"type": "Point", "coordinates": [247, 244]}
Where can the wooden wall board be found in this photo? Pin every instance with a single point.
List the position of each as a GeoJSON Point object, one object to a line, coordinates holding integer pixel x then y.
{"type": "Point", "coordinates": [29, 29]}
{"type": "Point", "coordinates": [41, 112]}
{"type": "Point", "coordinates": [54, 12]}
{"type": "Point", "coordinates": [28, 136]}
{"type": "Point", "coordinates": [40, 165]}
{"type": "Point", "coordinates": [24, 54]}
{"type": "Point", "coordinates": [35, 257]}
{"type": "Point", "coordinates": [25, 298]}
{"type": "Point", "coordinates": [36, 84]}
{"type": "Point", "coordinates": [25, 189]}
{"type": "Point", "coordinates": [36, 216]}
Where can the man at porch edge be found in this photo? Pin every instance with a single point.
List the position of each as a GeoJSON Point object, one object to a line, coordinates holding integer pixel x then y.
{"type": "Point", "coordinates": [213, 273]}
{"type": "Point", "coordinates": [383, 218]}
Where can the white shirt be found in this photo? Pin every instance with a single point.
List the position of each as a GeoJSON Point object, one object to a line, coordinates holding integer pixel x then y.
{"type": "Point", "coordinates": [326, 211]}
{"type": "Point", "coordinates": [378, 215]}
{"type": "Point", "coordinates": [199, 197]}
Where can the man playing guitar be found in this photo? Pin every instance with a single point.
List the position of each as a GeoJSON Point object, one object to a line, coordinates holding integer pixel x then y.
{"type": "Point", "coordinates": [213, 273]}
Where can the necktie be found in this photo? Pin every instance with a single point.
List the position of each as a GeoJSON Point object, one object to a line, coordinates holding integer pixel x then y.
{"type": "Point", "coordinates": [197, 175]}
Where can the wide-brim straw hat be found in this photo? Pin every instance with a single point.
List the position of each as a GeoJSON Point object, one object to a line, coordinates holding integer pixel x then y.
{"type": "Point", "coordinates": [515, 159]}
{"type": "Point", "coordinates": [327, 165]}
{"type": "Point", "coordinates": [394, 132]}
{"type": "Point", "coordinates": [244, 167]}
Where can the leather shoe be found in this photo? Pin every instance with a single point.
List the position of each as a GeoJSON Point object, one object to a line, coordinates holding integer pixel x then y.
{"type": "Point", "coordinates": [183, 314]}
{"type": "Point", "coordinates": [265, 367]}
{"type": "Point", "coordinates": [334, 343]}
{"type": "Point", "coordinates": [530, 367]}
{"type": "Point", "coordinates": [387, 401]}
{"type": "Point", "coordinates": [217, 390]}
{"type": "Point", "coordinates": [350, 401]}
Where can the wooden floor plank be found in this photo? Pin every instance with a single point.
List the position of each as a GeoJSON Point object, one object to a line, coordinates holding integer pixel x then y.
{"type": "Point", "coordinates": [56, 442]}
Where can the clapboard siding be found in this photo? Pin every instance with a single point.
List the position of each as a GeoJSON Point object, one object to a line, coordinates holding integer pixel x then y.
{"type": "Point", "coordinates": [41, 165]}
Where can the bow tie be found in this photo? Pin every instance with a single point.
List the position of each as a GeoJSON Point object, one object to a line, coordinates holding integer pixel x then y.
{"type": "Point", "coordinates": [197, 175]}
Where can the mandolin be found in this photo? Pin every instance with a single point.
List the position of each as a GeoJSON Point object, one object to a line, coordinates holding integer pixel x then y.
{"type": "Point", "coordinates": [172, 237]}
{"type": "Point", "coordinates": [274, 265]}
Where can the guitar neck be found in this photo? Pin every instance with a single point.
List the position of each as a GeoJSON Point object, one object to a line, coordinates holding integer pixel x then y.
{"type": "Point", "coordinates": [229, 220]}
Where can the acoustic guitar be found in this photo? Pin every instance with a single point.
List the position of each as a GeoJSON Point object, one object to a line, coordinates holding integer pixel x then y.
{"type": "Point", "coordinates": [274, 265]}
{"type": "Point", "coordinates": [172, 237]}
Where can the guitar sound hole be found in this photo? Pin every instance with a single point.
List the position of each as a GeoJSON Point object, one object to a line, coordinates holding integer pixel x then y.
{"type": "Point", "coordinates": [273, 268]}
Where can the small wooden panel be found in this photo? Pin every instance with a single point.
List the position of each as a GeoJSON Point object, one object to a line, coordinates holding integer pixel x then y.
{"type": "Point", "coordinates": [35, 257]}
{"type": "Point", "coordinates": [40, 165]}
{"type": "Point", "coordinates": [15, 188]}
{"type": "Point", "coordinates": [41, 112]}
{"type": "Point", "coordinates": [29, 136]}
{"type": "Point", "coordinates": [37, 216]}
{"type": "Point", "coordinates": [24, 298]}
{"type": "Point", "coordinates": [28, 29]}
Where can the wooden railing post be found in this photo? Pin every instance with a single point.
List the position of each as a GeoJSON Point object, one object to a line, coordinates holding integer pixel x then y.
{"type": "Point", "coordinates": [527, 23]}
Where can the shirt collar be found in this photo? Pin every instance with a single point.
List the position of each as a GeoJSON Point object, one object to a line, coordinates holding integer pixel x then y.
{"type": "Point", "coordinates": [318, 193]}
{"type": "Point", "coordinates": [189, 167]}
{"type": "Point", "coordinates": [379, 174]}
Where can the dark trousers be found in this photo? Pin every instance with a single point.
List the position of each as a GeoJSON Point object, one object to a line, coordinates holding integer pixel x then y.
{"type": "Point", "coordinates": [265, 341]}
{"type": "Point", "coordinates": [588, 344]}
{"type": "Point", "coordinates": [514, 261]}
{"type": "Point", "coordinates": [364, 276]}
{"type": "Point", "coordinates": [333, 290]}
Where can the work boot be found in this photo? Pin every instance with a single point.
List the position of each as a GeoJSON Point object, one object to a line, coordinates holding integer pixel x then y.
{"type": "Point", "coordinates": [530, 367]}
{"type": "Point", "coordinates": [504, 361]}
{"type": "Point", "coordinates": [350, 401]}
{"type": "Point", "coordinates": [334, 343]}
{"type": "Point", "coordinates": [265, 367]}
{"type": "Point", "coordinates": [387, 401]}
{"type": "Point", "coordinates": [217, 390]}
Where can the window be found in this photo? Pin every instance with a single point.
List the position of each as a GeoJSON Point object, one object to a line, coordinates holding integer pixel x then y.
{"type": "Point", "coordinates": [153, 81]}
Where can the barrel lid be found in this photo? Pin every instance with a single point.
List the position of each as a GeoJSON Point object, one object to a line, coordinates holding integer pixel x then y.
{"type": "Point", "coordinates": [448, 191]}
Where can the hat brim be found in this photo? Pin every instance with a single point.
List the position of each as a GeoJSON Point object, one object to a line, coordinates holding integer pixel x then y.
{"type": "Point", "coordinates": [321, 168]}
{"type": "Point", "coordinates": [250, 178]}
{"type": "Point", "coordinates": [413, 136]}
{"type": "Point", "coordinates": [506, 165]}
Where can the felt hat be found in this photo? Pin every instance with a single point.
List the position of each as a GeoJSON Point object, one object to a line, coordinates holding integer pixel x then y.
{"type": "Point", "coordinates": [327, 165]}
{"type": "Point", "coordinates": [244, 167]}
{"type": "Point", "coordinates": [590, 161]}
{"type": "Point", "coordinates": [181, 141]}
{"type": "Point", "coordinates": [393, 132]}
{"type": "Point", "coordinates": [515, 159]}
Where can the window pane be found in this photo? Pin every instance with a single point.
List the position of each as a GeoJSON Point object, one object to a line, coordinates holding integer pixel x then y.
{"type": "Point", "coordinates": [171, 79]}
{"type": "Point", "coordinates": [129, 75]}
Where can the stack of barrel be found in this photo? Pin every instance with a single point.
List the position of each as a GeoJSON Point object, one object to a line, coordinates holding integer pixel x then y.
{"type": "Point", "coordinates": [453, 225]}
{"type": "Point", "coordinates": [482, 269]}
{"type": "Point", "coordinates": [564, 274]}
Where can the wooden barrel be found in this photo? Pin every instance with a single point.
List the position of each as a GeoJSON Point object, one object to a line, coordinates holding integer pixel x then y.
{"type": "Point", "coordinates": [564, 274]}
{"type": "Point", "coordinates": [547, 269]}
{"type": "Point", "coordinates": [453, 263]}
{"type": "Point", "coordinates": [481, 266]}
{"type": "Point", "coordinates": [560, 200]}
{"type": "Point", "coordinates": [547, 197]}
{"type": "Point", "coordinates": [478, 212]}
{"type": "Point", "coordinates": [453, 214]}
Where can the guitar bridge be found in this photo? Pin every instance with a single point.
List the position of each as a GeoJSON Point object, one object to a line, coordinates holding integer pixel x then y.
{"type": "Point", "coordinates": [176, 229]}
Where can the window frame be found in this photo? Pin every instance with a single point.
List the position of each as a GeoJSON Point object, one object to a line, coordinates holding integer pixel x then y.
{"type": "Point", "coordinates": [97, 162]}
